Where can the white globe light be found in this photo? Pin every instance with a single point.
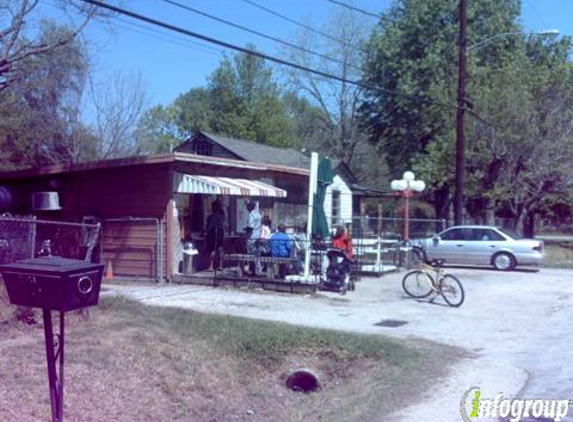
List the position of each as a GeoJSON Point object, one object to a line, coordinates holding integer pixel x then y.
{"type": "Point", "coordinates": [408, 176]}
{"type": "Point", "coordinates": [418, 185]}
{"type": "Point", "coordinates": [394, 185]}
{"type": "Point", "coordinates": [402, 185]}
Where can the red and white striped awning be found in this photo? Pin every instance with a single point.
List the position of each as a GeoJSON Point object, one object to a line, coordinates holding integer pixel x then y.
{"type": "Point", "coordinates": [209, 185]}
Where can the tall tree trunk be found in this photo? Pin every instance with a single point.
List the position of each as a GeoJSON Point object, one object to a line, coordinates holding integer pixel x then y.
{"type": "Point", "coordinates": [529, 224]}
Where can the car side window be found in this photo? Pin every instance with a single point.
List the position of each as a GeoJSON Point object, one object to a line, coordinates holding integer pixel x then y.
{"type": "Point", "coordinates": [484, 235]}
{"type": "Point", "coordinates": [481, 235]}
{"type": "Point", "coordinates": [493, 235]}
{"type": "Point", "coordinates": [453, 234]}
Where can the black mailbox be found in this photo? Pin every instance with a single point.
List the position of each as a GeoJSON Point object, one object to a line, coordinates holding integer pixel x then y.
{"type": "Point", "coordinates": [53, 283]}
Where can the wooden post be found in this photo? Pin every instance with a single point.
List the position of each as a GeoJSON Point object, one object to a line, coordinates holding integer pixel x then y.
{"type": "Point", "coordinates": [168, 239]}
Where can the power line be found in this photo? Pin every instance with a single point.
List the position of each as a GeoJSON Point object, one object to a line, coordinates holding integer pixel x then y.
{"type": "Point", "coordinates": [252, 31]}
{"type": "Point", "coordinates": [286, 18]}
{"type": "Point", "coordinates": [169, 38]}
{"type": "Point", "coordinates": [356, 9]}
{"type": "Point", "coordinates": [273, 59]}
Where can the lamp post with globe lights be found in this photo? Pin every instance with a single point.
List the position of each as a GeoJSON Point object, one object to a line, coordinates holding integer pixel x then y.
{"type": "Point", "coordinates": [406, 188]}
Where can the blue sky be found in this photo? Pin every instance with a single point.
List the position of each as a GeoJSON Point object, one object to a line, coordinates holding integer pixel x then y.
{"type": "Point", "coordinates": [172, 64]}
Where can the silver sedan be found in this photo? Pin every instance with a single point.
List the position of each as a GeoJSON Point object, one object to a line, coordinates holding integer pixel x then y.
{"type": "Point", "coordinates": [482, 245]}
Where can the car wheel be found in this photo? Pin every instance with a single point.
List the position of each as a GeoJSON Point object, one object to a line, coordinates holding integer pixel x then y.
{"type": "Point", "coordinates": [503, 261]}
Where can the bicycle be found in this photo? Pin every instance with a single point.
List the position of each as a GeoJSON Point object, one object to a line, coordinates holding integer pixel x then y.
{"type": "Point", "coordinates": [420, 283]}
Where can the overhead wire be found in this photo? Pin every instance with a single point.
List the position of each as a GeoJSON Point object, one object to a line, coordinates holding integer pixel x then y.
{"type": "Point", "coordinates": [252, 31]}
{"type": "Point", "coordinates": [356, 9]}
{"type": "Point", "coordinates": [273, 59]}
{"type": "Point", "coordinates": [300, 24]}
{"type": "Point", "coordinates": [146, 30]}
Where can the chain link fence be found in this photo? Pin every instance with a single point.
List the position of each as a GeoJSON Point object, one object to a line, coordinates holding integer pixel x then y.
{"type": "Point", "coordinates": [393, 228]}
{"type": "Point", "coordinates": [28, 237]}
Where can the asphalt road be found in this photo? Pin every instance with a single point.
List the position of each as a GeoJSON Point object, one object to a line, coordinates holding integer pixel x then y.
{"type": "Point", "coordinates": [516, 326]}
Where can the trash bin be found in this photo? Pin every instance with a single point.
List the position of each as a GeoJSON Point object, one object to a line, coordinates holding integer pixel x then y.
{"type": "Point", "coordinates": [189, 252]}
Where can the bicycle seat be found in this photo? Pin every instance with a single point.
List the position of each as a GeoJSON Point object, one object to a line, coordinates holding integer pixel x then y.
{"type": "Point", "coordinates": [437, 262]}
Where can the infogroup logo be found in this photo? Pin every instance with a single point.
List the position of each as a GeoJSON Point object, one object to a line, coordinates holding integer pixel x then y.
{"type": "Point", "coordinates": [473, 407]}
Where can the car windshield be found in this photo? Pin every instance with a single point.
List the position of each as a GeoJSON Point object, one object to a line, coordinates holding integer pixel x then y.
{"type": "Point", "coordinates": [510, 233]}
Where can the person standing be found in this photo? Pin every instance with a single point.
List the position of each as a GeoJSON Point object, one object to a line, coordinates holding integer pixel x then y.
{"type": "Point", "coordinates": [215, 232]}
{"type": "Point", "coordinates": [301, 244]}
{"type": "Point", "coordinates": [254, 226]}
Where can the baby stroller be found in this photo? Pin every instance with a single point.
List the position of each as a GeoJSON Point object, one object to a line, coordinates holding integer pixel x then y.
{"type": "Point", "coordinates": [337, 277]}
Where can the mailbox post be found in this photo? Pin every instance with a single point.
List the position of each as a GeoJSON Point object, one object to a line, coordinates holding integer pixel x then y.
{"type": "Point", "coordinates": [53, 283]}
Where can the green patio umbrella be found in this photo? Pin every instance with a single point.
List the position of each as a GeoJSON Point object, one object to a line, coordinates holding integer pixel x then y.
{"type": "Point", "coordinates": [324, 178]}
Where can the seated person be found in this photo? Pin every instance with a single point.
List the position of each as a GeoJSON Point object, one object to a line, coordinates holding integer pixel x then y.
{"type": "Point", "coordinates": [281, 246]}
{"type": "Point", "coordinates": [341, 240]}
{"type": "Point", "coordinates": [263, 243]}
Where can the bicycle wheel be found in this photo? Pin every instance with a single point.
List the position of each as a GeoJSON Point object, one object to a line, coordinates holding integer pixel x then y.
{"type": "Point", "coordinates": [417, 284]}
{"type": "Point", "coordinates": [451, 290]}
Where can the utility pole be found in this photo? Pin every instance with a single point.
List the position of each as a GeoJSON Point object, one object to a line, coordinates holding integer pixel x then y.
{"type": "Point", "coordinates": [460, 127]}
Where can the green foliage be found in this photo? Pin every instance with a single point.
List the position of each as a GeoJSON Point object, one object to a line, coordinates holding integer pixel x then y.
{"type": "Point", "coordinates": [156, 132]}
{"type": "Point", "coordinates": [40, 111]}
{"type": "Point", "coordinates": [519, 127]}
{"type": "Point", "coordinates": [416, 55]}
{"type": "Point", "coordinates": [241, 100]}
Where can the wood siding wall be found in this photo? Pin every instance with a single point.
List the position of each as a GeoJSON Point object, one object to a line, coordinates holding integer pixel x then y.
{"type": "Point", "coordinates": [130, 248]}
{"type": "Point", "coordinates": [141, 191]}
{"type": "Point", "coordinates": [132, 191]}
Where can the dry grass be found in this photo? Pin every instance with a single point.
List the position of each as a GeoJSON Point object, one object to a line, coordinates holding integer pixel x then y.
{"type": "Point", "coordinates": [559, 254]}
{"type": "Point", "coordinates": [131, 363]}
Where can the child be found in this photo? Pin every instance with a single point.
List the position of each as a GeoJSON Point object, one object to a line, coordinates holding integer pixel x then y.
{"type": "Point", "coordinates": [342, 241]}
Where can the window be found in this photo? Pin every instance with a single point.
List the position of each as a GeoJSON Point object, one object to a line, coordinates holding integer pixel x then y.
{"type": "Point", "coordinates": [335, 207]}
{"type": "Point", "coordinates": [486, 235]}
{"type": "Point", "coordinates": [454, 234]}
{"type": "Point", "coordinates": [203, 148]}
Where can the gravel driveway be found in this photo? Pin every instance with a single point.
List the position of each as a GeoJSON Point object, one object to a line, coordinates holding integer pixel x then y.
{"type": "Point", "coordinates": [515, 324]}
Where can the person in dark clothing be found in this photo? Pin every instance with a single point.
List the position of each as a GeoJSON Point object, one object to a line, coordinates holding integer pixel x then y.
{"type": "Point", "coordinates": [215, 231]}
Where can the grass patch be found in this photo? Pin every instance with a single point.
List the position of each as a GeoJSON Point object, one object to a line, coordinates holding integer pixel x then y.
{"type": "Point", "coordinates": [558, 254]}
{"type": "Point", "coordinates": [130, 362]}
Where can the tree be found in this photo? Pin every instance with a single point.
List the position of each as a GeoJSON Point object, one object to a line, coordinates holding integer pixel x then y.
{"type": "Point", "coordinates": [340, 135]}
{"type": "Point", "coordinates": [193, 111]}
{"type": "Point", "coordinates": [519, 126]}
{"type": "Point", "coordinates": [241, 100]}
{"type": "Point", "coordinates": [247, 102]}
{"type": "Point", "coordinates": [413, 52]}
{"type": "Point", "coordinates": [308, 119]}
{"type": "Point", "coordinates": [16, 48]}
{"type": "Point", "coordinates": [525, 157]}
{"type": "Point", "coordinates": [119, 106]}
{"type": "Point", "coordinates": [156, 131]}
{"type": "Point", "coordinates": [41, 109]}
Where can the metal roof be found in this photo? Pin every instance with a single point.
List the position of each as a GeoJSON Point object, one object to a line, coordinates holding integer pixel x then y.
{"type": "Point", "coordinates": [151, 160]}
